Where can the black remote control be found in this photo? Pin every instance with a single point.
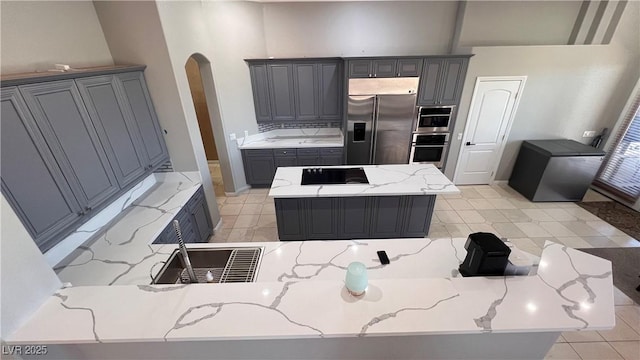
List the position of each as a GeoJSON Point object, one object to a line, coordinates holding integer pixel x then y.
{"type": "Point", "coordinates": [382, 255]}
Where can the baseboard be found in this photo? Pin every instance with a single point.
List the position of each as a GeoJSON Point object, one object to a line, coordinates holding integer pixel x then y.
{"type": "Point", "coordinates": [238, 192]}
{"type": "Point", "coordinates": [217, 227]}
{"type": "Point", "coordinates": [500, 182]}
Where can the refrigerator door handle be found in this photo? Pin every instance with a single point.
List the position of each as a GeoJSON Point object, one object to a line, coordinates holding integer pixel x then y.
{"type": "Point", "coordinates": [374, 130]}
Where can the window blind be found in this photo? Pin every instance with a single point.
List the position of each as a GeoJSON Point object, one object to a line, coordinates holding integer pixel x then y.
{"type": "Point", "coordinates": [620, 173]}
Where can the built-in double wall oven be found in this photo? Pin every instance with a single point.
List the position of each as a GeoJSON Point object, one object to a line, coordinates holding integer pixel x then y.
{"type": "Point", "coordinates": [430, 139]}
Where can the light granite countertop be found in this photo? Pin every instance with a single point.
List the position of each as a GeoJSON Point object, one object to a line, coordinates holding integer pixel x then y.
{"type": "Point", "coordinates": [293, 138]}
{"type": "Point", "coordinates": [384, 180]}
{"type": "Point", "coordinates": [300, 294]}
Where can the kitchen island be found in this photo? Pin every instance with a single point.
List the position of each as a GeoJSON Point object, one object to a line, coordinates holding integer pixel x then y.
{"type": "Point", "coordinates": [397, 202]}
{"type": "Point", "coordinates": [415, 307]}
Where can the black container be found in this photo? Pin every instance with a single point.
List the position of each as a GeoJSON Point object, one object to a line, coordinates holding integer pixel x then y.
{"type": "Point", "coordinates": [487, 255]}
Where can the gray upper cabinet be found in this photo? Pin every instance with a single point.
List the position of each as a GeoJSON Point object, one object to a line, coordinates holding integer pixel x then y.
{"type": "Point", "coordinates": [31, 176]}
{"type": "Point", "coordinates": [305, 83]}
{"type": "Point", "coordinates": [260, 87]}
{"type": "Point", "coordinates": [409, 67]}
{"type": "Point", "coordinates": [135, 89]}
{"type": "Point", "coordinates": [442, 80]}
{"type": "Point", "coordinates": [385, 68]}
{"type": "Point", "coordinates": [360, 68]}
{"type": "Point", "coordinates": [330, 90]}
{"type": "Point", "coordinates": [118, 133]}
{"type": "Point", "coordinates": [281, 92]}
{"type": "Point", "coordinates": [61, 116]}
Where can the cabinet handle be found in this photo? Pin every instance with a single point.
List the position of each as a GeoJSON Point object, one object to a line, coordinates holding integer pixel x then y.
{"type": "Point", "coordinates": [398, 75]}
{"type": "Point", "coordinates": [375, 75]}
{"type": "Point", "coordinates": [369, 75]}
{"type": "Point", "coordinates": [284, 152]}
{"type": "Point", "coordinates": [81, 213]}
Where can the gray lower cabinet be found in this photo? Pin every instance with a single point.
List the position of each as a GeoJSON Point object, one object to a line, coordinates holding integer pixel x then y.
{"type": "Point", "coordinates": [260, 164]}
{"type": "Point", "coordinates": [195, 222]}
{"type": "Point", "coordinates": [61, 116]}
{"type": "Point", "coordinates": [354, 217]}
{"type": "Point", "coordinates": [30, 175]}
{"type": "Point", "coordinates": [442, 81]}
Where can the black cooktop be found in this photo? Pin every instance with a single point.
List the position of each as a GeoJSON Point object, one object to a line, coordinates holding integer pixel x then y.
{"type": "Point", "coordinates": [328, 176]}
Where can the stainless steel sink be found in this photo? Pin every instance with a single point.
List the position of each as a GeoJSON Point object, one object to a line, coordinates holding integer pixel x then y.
{"type": "Point", "coordinates": [226, 264]}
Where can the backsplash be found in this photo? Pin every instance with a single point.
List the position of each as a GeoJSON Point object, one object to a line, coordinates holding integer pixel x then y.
{"type": "Point", "coordinates": [268, 126]}
{"type": "Point", "coordinates": [166, 167]}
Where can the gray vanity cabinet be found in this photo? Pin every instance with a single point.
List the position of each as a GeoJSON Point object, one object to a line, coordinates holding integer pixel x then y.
{"type": "Point", "coordinates": [305, 84]}
{"type": "Point", "coordinates": [118, 132]}
{"type": "Point", "coordinates": [29, 166]}
{"type": "Point", "coordinates": [144, 115]}
{"type": "Point", "coordinates": [260, 88]}
{"type": "Point", "coordinates": [330, 90]}
{"type": "Point", "coordinates": [442, 80]}
{"type": "Point", "coordinates": [61, 116]}
{"type": "Point", "coordinates": [281, 91]}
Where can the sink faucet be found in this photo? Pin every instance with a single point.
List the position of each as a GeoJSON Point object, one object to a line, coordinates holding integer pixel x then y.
{"type": "Point", "coordinates": [183, 251]}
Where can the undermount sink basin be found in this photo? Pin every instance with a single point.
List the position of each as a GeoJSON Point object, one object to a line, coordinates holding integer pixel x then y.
{"type": "Point", "coordinates": [226, 264]}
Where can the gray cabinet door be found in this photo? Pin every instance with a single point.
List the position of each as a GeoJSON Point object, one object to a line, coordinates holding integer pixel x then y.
{"type": "Point", "coordinates": [384, 68]}
{"type": "Point", "coordinates": [143, 112]}
{"type": "Point", "coordinates": [409, 67]}
{"type": "Point", "coordinates": [61, 116]}
{"type": "Point", "coordinates": [290, 216]}
{"type": "Point", "coordinates": [354, 217]}
{"type": "Point", "coordinates": [387, 216]}
{"type": "Point", "coordinates": [321, 218]}
{"type": "Point", "coordinates": [360, 68]}
{"type": "Point", "coordinates": [305, 84]}
{"type": "Point", "coordinates": [429, 82]}
{"type": "Point", "coordinates": [31, 180]}
{"type": "Point", "coordinates": [117, 131]}
{"type": "Point", "coordinates": [330, 90]}
{"type": "Point", "coordinates": [419, 210]}
{"type": "Point", "coordinates": [259, 169]}
{"type": "Point", "coordinates": [200, 217]}
{"type": "Point", "coordinates": [452, 81]}
{"type": "Point", "coordinates": [280, 78]}
{"type": "Point", "coordinates": [260, 87]}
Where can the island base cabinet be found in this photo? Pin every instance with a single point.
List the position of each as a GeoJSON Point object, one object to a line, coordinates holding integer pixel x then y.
{"type": "Point", "coordinates": [363, 217]}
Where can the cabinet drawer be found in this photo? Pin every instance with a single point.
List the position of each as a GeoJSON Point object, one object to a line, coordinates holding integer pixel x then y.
{"type": "Point", "coordinates": [331, 151]}
{"type": "Point", "coordinates": [308, 151]}
{"type": "Point", "coordinates": [284, 152]}
{"type": "Point", "coordinates": [258, 152]}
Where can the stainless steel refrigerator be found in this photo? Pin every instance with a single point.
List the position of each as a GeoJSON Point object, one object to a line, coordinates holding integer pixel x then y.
{"type": "Point", "coordinates": [380, 120]}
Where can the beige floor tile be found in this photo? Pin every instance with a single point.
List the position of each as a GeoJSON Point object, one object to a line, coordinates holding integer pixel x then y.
{"type": "Point", "coordinates": [532, 230]}
{"type": "Point", "coordinates": [556, 229]}
{"type": "Point", "coordinates": [515, 215]}
{"type": "Point", "coordinates": [493, 216]}
{"type": "Point", "coordinates": [595, 351]}
{"type": "Point", "coordinates": [582, 336]}
{"type": "Point", "coordinates": [630, 350]}
{"type": "Point", "coordinates": [220, 236]}
{"type": "Point", "coordinates": [488, 193]}
{"type": "Point", "coordinates": [560, 215]}
{"type": "Point", "coordinates": [220, 199]}
{"type": "Point", "coordinates": [605, 228]}
{"type": "Point", "coordinates": [484, 228]}
{"type": "Point", "coordinates": [562, 351]}
{"type": "Point", "coordinates": [471, 216]}
{"type": "Point", "coordinates": [442, 204]}
{"type": "Point", "coordinates": [620, 298]}
{"type": "Point", "coordinates": [251, 209]}
{"type": "Point", "coordinates": [508, 230]}
{"type": "Point", "coordinates": [265, 234]}
{"type": "Point", "coordinates": [621, 332]}
{"type": "Point", "coordinates": [599, 241]}
{"type": "Point", "coordinates": [448, 216]}
{"type": "Point", "coordinates": [240, 199]}
{"type": "Point", "coordinates": [459, 204]}
{"type": "Point", "coordinates": [228, 221]}
{"type": "Point", "coordinates": [246, 221]}
{"type": "Point", "coordinates": [469, 192]}
{"type": "Point", "coordinates": [527, 245]}
{"type": "Point", "coordinates": [548, 205]}
{"type": "Point", "coordinates": [259, 191]}
{"type": "Point", "coordinates": [481, 204]}
{"type": "Point", "coordinates": [256, 198]}
{"type": "Point", "coordinates": [451, 196]}
{"type": "Point", "coordinates": [230, 209]}
{"type": "Point", "coordinates": [582, 214]}
{"type": "Point", "coordinates": [522, 203]}
{"type": "Point", "coordinates": [240, 235]}
{"type": "Point", "coordinates": [267, 220]}
{"type": "Point", "coordinates": [502, 204]}
{"type": "Point", "coordinates": [625, 241]}
{"type": "Point", "coordinates": [458, 230]}
{"type": "Point", "coordinates": [630, 314]}
{"type": "Point", "coordinates": [268, 209]}
{"type": "Point", "coordinates": [580, 228]}
{"type": "Point", "coordinates": [538, 214]}
{"type": "Point", "coordinates": [438, 231]}
{"type": "Point", "coordinates": [575, 242]}
{"type": "Point", "coordinates": [561, 339]}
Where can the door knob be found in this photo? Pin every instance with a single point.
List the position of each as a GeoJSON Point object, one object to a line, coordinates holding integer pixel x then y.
{"type": "Point", "coordinates": [469, 143]}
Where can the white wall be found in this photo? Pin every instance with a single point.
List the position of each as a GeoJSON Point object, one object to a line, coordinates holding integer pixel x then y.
{"type": "Point", "coordinates": [569, 89]}
{"type": "Point", "coordinates": [493, 23]}
{"type": "Point", "coordinates": [36, 35]}
{"type": "Point", "coordinates": [358, 28]}
{"type": "Point", "coordinates": [27, 279]}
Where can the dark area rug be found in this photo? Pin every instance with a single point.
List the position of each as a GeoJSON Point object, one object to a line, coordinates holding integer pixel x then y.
{"type": "Point", "coordinates": [618, 215]}
{"type": "Point", "coordinates": [626, 268]}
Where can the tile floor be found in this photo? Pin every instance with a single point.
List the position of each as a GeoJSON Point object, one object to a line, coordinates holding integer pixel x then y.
{"type": "Point", "coordinates": [504, 212]}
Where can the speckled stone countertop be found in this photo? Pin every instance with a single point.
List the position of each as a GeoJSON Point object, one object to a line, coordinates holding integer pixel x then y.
{"type": "Point", "coordinates": [293, 138]}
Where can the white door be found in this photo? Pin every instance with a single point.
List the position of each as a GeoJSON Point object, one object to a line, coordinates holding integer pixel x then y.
{"type": "Point", "coordinates": [492, 110]}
